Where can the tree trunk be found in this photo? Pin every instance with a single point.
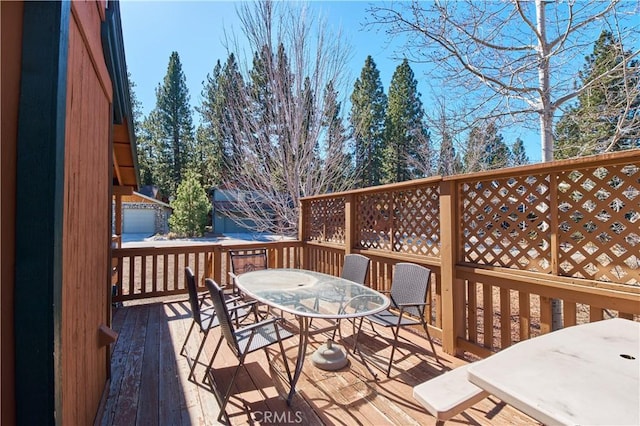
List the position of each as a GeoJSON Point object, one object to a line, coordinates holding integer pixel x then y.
{"type": "Point", "coordinates": [546, 122]}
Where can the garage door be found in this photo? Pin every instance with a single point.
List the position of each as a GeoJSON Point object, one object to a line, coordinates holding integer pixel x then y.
{"type": "Point", "coordinates": [139, 221]}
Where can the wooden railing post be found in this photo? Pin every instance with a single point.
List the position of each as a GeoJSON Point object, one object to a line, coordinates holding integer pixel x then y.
{"type": "Point", "coordinates": [217, 264]}
{"type": "Point", "coordinates": [302, 231]}
{"type": "Point", "coordinates": [453, 295]}
{"type": "Point", "coordinates": [349, 223]}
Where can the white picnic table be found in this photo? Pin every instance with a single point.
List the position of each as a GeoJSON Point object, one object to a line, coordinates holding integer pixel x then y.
{"type": "Point", "coordinates": [581, 375]}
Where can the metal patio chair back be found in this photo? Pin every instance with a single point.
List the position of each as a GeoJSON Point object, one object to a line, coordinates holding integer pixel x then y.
{"type": "Point", "coordinates": [244, 340]}
{"type": "Point", "coordinates": [409, 290]}
{"type": "Point", "coordinates": [355, 268]}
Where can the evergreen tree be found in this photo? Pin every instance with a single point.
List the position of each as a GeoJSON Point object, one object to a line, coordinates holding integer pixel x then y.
{"type": "Point", "coordinates": [368, 106]}
{"type": "Point", "coordinates": [208, 160]}
{"type": "Point", "coordinates": [174, 122]}
{"type": "Point", "coordinates": [604, 106]}
{"type": "Point", "coordinates": [496, 153]}
{"type": "Point", "coordinates": [190, 207]}
{"type": "Point", "coordinates": [157, 169]}
{"type": "Point", "coordinates": [278, 117]}
{"type": "Point", "coordinates": [143, 151]}
{"type": "Point", "coordinates": [518, 154]}
{"type": "Point", "coordinates": [486, 150]}
{"type": "Point", "coordinates": [475, 147]}
{"type": "Point", "coordinates": [448, 161]}
{"type": "Point", "coordinates": [218, 138]}
{"type": "Point", "coordinates": [405, 132]}
{"type": "Point", "coordinates": [336, 134]}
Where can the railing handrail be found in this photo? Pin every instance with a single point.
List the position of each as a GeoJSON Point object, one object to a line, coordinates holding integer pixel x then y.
{"type": "Point", "coordinates": [538, 168]}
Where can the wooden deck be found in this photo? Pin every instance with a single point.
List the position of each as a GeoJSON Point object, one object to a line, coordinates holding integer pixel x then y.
{"type": "Point", "coordinates": [149, 384]}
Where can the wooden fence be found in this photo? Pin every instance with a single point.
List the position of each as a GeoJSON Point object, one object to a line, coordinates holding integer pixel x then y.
{"type": "Point", "coordinates": [501, 245]}
{"type": "Point", "coordinates": [145, 272]}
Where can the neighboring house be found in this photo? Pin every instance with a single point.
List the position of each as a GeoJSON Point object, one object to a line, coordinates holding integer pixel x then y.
{"type": "Point", "coordinates": [67, 149]}
{"type": "Point", "coordinates": [142, 214]}
{"type": "Point", "coordinates": [226, 205]}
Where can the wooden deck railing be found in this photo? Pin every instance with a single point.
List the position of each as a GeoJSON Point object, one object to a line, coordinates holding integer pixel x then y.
{"type": "Point", "coordinates": [145, 272]}
{"type": "Point", "coordinates": [501, 245]}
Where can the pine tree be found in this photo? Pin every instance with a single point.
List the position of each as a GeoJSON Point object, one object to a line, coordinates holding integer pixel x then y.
{"type": "Point", "coordinates": [368, 106]}
{"type": "Point", "coordinates": [486, 150]}
{"type": "Point", "coordinates": [157, 169]}
{"type": "Point", "coordinates": [219, 140]}
{"type": "Point", "coordinates": [143, 151]}
{"type": "Point", "coordinates": [208, 160]}
{"type": "Point", "coordinates": [336, 134]}
{"type": "Point", "coordinates": [278, 117]}
{"type": "Point", "coordinates": [593, 124]}
{"type": "Point", "coordinates": [448, 160]}
{"type": "Point", "coordinates": [405, 133]}
{"type": "Point", "coordinates": [190, 207]}
{"type": "Point", "coordinates": [173, 115]}
{"type": "Point", "coordinates": [518, 154]}
{"type": "Point", "coordinates": [496, 153]}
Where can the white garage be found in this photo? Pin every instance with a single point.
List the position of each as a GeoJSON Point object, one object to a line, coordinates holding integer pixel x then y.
{"type": "Point", "coordinates": [139, 221]}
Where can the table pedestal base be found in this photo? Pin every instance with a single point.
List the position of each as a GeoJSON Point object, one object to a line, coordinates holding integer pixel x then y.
{"type": "Point", "coordinates": [330, 356]}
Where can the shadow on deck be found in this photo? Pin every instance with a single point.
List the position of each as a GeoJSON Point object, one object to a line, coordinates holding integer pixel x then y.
{"type": "Point", "coordinates": [149, 384]}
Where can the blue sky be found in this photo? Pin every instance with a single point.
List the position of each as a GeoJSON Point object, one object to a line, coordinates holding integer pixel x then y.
{"type": "Point", "coordinates": [195, 29]}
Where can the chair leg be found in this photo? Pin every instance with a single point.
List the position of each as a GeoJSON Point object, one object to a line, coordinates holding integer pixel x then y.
{"type": "Point", "coordinates": [195, 361]}
{"type": "Point", "coordinates": [215, 352]}
{"type": "Point", "coordinates": [433, 349]}
{"type": "Point", "coordinates": [284, 359]}
{"type": "Point", "coordinates": [393, 348]}
{"type": "Point", "coordinates": [228, 393]}
{"type": "Point", "coordinates": [186, 339]}
{"type": "Point", "coordinates": [356, 333]}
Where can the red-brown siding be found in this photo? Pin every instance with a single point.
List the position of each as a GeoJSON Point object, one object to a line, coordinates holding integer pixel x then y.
{"type": "Point", "coordinates": [86, 225]}
{"type": "Point", "coordinates": [11, 50]}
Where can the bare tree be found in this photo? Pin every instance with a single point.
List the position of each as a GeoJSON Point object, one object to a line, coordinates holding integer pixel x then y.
{"type": "Point", "coordinates": [447, 123]}
{"type": "Point", "coordinates": [517, 57]}
{"type": "Point", "coordinates": [289, 148]}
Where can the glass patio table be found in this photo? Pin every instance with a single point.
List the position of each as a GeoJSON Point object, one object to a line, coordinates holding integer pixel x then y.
{"type": "Point", "coordinates": [308, 295]}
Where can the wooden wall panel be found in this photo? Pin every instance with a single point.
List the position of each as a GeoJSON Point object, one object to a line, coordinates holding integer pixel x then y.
{"type": "Point", "coordinates": [11, 50]}
{"type": "Point", "coordinates": [86, 225]}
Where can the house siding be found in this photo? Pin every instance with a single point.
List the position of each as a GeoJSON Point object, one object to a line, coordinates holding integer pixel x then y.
{"type": "Point", "coordinates": [86, 212]}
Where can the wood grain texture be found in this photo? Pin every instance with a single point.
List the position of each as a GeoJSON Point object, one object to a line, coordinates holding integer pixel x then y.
{"type": "Point", "coordinates": [86, 218]}
{"type": "Point", "coordinates": [345, 397]}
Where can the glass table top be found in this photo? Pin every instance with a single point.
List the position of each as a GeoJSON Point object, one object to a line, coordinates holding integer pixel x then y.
{"type": "Point", "coordinates": [311, 294]}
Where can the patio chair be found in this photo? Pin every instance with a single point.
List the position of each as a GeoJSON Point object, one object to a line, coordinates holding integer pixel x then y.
{"type": "Point", "coordinates": [243, 340]}
{"type": "Point", "coordinates": [246, 261]}
{"type": "Point", "coordinates": [205, 318]}
{"type": "Point", "coordinates": [409, 289]}
{"type": "Point", "coordinates": [355, 268]}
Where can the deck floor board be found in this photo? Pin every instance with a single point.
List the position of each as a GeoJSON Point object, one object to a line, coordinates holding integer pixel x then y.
{"type": "Point", "coordinates": [149, 382]}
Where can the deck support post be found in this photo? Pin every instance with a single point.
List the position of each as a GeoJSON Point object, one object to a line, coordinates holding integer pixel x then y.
{"type": "Point", "coordinates": [453, 292]}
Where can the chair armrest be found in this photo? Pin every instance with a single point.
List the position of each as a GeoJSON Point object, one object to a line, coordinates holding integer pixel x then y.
{"type": "Point", "coordinates": [262, 323]}
{"type": "Point", "coordinates": [404, 305]}
{"type": "Point", "coordinates": [232, 299]}
{"type": "Point", "coordinates": [251, 303]}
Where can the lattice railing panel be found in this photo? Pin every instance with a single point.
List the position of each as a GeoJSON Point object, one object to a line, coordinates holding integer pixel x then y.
{"type": "Point", "coordinates": [325, 220]}
{"type": "Point", "coordinates": [599, 218]}
{"type": "Point", "coordinates": [373, 220]}
{"type": "Point", "coordinates": [505, 222]}
{"type": "Point", "coordinates": [417, 221]}
{"type": "Point", "coordinates": [403, 221]}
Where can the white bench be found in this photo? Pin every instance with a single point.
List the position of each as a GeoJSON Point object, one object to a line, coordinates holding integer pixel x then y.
{"type": "Point", "coordinates": [448, 394]}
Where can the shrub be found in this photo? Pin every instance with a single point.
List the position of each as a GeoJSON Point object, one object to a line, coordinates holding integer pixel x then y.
{"type": "Point", "coordinates": [190, 208]}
